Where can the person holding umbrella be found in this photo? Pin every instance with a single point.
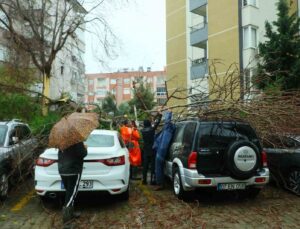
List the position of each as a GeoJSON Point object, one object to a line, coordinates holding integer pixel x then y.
{"type": "Point", "coordinates": [68, 135]}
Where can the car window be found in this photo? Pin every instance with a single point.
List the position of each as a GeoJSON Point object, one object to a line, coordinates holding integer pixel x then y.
{"type": "Point", "coordinates": [188, 136]}
{"type": "Point", "coordinates": [15, 132]}
{"type": "Point", "coordinates": [221, 135]}
{"type": "Point", "coordinates": [100, 140]}
{"type": "Point", "coordinates": [3, 131]}
{"type": "Point", "coordinates": [178, 134]}
{"type": "Point", "coordinates": [25, 132]}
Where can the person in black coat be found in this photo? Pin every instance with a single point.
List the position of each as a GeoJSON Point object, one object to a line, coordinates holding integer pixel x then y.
{"type": "Point", "coordinates": [148, 133]}
{"type": "Point", "coordinates": [70, 165]}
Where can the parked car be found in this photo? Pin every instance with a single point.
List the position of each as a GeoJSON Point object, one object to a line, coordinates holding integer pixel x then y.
{"type": "Point", "coordinates": [16, 153]}
{"type": "Point", "coordinates": [284, 160]}
{"type": "Point", "coordinates": [217, 155]}
{"type": "Point", "coordinates": [105, 168]}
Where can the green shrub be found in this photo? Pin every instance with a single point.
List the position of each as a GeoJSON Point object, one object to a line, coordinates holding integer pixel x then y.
{"type": "Point", "coordinates": [18, 106]}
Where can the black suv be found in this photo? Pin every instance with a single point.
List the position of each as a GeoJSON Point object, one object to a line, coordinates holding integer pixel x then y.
{"type": "Point", "coordinates": [217, 154]}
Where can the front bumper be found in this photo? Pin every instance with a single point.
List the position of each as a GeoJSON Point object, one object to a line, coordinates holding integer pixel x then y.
{"type": "Point", "coordinates": [191, 179]}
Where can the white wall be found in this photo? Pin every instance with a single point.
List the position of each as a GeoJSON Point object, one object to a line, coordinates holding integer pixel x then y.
{"type": "Point", "coordinates": [257, 16]}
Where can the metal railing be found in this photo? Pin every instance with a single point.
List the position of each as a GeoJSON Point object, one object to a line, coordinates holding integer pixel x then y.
{"type": "Point", "coordinates": [198, 27]}
{"type": "Point", "coordinates": [199, 61]}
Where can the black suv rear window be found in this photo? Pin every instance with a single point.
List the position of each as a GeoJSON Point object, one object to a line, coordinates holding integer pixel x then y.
{"type": "Point", "coordinates": [222, 134]}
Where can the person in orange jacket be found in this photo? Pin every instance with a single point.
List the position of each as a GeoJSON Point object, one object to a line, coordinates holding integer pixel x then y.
{"type": "Point", "coordinates": [131, 136]}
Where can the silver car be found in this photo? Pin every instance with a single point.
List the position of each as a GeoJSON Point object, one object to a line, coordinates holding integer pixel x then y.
{"type": "Point", "coordinates": [16, 153]}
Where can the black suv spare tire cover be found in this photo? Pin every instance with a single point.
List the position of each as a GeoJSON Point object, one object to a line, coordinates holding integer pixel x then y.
{"type": "Point", "coordinates": [243, 159]}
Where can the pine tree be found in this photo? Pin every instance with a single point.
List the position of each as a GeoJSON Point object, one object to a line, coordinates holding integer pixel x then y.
{"type": "Point", "coordinates": [143, 98]}
{"type": "Point", "coordinates": [109, 104]}
{"type": "Point", "coordinates": [279, 64]}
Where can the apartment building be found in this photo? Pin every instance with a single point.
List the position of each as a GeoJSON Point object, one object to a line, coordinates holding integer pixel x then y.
{"type": "Point", "coordinates": [120, 84]}
{"type": "Point", "coordinates": [68, 69]}
{"type": "Point", "coordinates": [208, 37]}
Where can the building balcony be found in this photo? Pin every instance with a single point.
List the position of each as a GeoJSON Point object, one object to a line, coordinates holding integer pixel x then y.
{"type": "Point", "coordinates": [198, 7]}
{"type": "Point", "coordinates": [199, 68]}
{"type": "Point", "coordinates": [199, 35]}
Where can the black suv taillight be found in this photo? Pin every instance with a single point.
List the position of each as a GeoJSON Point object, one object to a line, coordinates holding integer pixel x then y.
{"type": "Point", "coordinates": [264, 159]}
{"type": "Point", "coordinates": [192, 160]}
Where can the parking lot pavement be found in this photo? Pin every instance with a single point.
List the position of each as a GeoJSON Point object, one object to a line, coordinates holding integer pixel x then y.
{"type": "Point", "coordinates": [273, 208]}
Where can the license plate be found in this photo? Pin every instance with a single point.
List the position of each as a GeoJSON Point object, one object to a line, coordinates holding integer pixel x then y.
{"type": "Point", "coordinates": [84, 184]}
{"type": "Point", "coordinates": [232, 186]}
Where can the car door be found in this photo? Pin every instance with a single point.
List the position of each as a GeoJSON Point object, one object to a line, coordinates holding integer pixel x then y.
{"type": "Point", "coordinates": [27, 145]}
{"type": "Point", "coordinates": [212, 142]}
{"type": "Point", "coordinates": [175, 147]}
{"type": "Point", "coordinates": [14, 149]}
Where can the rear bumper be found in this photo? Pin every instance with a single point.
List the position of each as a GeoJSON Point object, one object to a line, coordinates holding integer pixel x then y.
{"type": "Point", "coordinates": [115, 182]}
{"type": "Point", "coordinates": [191, 179]}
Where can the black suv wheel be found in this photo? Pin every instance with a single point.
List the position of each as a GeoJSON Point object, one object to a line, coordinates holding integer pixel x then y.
{"type": "Point", "coordinates": [177, 185]}
{"type": "Point", "coordinates": [243, 159]}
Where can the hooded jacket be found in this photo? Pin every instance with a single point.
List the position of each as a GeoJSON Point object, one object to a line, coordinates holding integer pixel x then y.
{"type": "Point", "coordinates": [148, 133]}
{"type": "Point", "coordinates": [70, 161]}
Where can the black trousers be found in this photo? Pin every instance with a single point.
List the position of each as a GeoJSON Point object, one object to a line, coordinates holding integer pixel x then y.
{"type": "Point", "coordinates": [148, 161]}
{"type": "Point", "coordinates": [71, 184]}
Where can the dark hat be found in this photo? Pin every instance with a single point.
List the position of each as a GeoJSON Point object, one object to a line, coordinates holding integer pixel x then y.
{"type": "Point", "coordinates": [147, 123]}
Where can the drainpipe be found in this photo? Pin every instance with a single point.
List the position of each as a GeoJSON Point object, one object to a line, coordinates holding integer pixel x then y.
{"type": "Point", "coordinates": [241, 45]}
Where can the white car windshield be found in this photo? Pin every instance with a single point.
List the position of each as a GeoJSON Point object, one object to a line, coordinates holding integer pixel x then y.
{"type": "Point", "coordinates": [3, 130]}
{"type": "Point", "coordinates": [100, 140]}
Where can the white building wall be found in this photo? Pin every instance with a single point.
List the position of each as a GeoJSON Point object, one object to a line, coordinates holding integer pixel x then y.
{"type": "Point", "coordinates": [71, 58]}
{"type": "Point", "coordinates": [257, 16]}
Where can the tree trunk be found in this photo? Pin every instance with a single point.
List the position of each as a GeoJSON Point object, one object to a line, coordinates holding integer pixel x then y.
{"type": "Point", "coordinates": [46, 93]}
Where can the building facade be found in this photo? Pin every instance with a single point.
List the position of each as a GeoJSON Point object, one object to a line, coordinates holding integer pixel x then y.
{"type": "Point", "coordinates": [208, 37]}
{"type": "Point", "coordinates": [120, 84]}
{"type": "Point", "coordinates": [68, 69]}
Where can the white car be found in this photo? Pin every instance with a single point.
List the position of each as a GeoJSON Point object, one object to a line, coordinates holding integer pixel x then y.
{"type": "Point", "coordinates": [105, 168]}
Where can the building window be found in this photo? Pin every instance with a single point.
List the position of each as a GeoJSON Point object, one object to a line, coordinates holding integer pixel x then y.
{"type": "Point", "coordinates": [247, 80]}
{"type": "Point", "coordinates": [250, 3]}
{"type": "Point", "coordinates": [160, 91]}
{"type": "Point", "coordinates": [101, 82]}
{"type": "Point", "coordinates": [113, 91]}
{"type": "Point", "coordinates": [101, 92]}
{"type": "Point", "coordinates": [113, 81]}
{"type": "Point", "coordinates": [160, 80]}
{"type": "Point", "coordinates": [126, 91]}
{"type": "Point", "coordinates": [126, 80]}
{"type": "Point", "coordinates": [91, 82]}
{"type": "Point", "coordinates": [250, 37]}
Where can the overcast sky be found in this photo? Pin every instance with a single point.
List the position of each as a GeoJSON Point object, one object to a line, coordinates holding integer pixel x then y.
{"type": "Point", "coordinates": [140, 27]}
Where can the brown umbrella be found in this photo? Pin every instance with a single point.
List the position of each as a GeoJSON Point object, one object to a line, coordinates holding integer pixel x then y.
{"type": "Point", "coordinates": [72, 129]}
